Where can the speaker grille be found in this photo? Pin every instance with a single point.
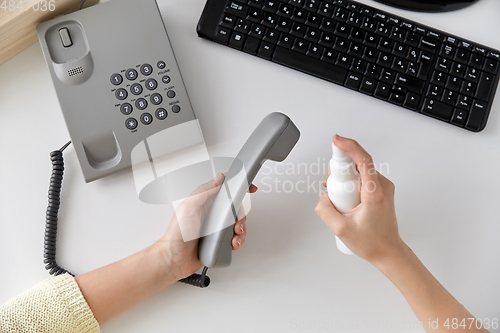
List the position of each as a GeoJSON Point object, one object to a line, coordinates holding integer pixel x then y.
{"type": "Point", "coordinates": [75, 71]}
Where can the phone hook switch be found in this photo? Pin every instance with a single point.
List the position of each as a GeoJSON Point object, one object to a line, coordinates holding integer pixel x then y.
{"type": "Point", "coordinates": [65, 37]}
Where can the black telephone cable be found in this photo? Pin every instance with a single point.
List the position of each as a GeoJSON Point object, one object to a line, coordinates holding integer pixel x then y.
{"type": "Point", "coordinates": [51, 219]}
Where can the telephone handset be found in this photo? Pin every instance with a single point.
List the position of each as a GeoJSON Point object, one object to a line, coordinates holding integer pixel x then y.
{"type": "Point", "coordinates": [117, 81]}
{"type": "Point", "coordinates": [273, 139]}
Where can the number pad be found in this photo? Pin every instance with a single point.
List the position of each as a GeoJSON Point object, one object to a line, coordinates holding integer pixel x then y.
{"type": "Point", "coordinates": [144, 93]}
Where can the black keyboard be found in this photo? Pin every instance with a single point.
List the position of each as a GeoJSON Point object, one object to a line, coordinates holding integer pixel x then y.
{"type": "Point", "coordinates": [365, 49]}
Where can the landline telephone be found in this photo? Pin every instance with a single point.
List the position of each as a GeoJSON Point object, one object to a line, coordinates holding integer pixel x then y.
{"type": "Point", "coordinates": [118, 84]}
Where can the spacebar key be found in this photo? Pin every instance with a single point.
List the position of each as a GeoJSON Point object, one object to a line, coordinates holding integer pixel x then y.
{"type": "Point", "coordinates": [309, 65]}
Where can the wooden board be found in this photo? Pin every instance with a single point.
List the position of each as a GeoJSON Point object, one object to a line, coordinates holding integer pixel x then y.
{"type": "Point", "coordinates": [19, 18]}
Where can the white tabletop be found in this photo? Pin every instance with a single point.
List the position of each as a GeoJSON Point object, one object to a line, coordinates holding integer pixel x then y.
{"type": "Point", "coordinates": [289, 277]}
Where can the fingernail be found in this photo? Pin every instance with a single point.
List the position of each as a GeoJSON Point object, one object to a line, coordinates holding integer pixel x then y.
{"type": "Point", "coordinates": [339, 137]}
{"type": "Point", "coordinates": [218, 179]}
{"type": "Point", "coordinates": [241, 227]}
{"type": "Point", "coordinates": [239, 241]}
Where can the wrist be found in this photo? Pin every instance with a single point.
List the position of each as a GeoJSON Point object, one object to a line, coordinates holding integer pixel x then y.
{"type": "Point", "coordinates": [394, 257]}
{"type": "Point", "coordinates": [165, 272]}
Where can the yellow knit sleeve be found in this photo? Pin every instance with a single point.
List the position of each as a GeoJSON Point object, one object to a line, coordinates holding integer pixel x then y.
{"type": "Point", "coordinates": [54, 305]}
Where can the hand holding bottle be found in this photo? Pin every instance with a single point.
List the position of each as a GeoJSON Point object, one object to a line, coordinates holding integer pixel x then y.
{"type": "Point", "coordinates": [370, 230]}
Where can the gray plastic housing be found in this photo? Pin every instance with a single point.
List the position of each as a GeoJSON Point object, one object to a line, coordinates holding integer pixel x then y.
{"type": "Point", "coordinates": [109, 38]}
{"type": "Point", "coordinates": [273, 139]}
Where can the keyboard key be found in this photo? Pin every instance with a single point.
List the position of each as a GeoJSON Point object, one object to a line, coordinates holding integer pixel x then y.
{"type": "Point", "coordinates": [428, 44]}
{"type": "Point", "coordinates": [329, 56]}
{"type": "Point", "coordinates": [447, 51]}
{"type": "Point", "coordinates": [256, 3]}
{"type": "Point", "coordinates": [434, 92]}
{"type": "Point", "coordinates": [286, 41]}
{"type": "Point", "coordinates": [255, 15]}
{"type": "Point", "coordinates": [257, 31]}
{"type": "Point", "coordinates": [439, 78]}
{"type": "Point", "coordinates": [315, 51]}
{"type": "Point", "coordinates": [385, 45]}
{"type": "Point", "coordinates": [449, 97]}
{"type": "Point", "coordinates": [355, 19]}
{"type": "Point", "coordinates": [341, 45]}
{"type": "Point", "coordinates": [413, 54]}
{"type": "Point", "coordinates": [397, 34]}
{"type": "Point", "coordinates": [314, 66]}
{"type": "Point", "coordinates": [468, 88]}
{"type": "Point", "coordinates": [358, 66]}
{"type": "Point", "coordinates": [341, 14]}
{"type": "Point", "coordinates": [369, 24]}
{"type": "Point", "coordinates": [425, 62]}
{"type": "Point", "coordinates": [400, 50]}
{"type": "Point", "coordinates": [344, 60]}
{"type": "Point", "coordinates": [326, 39]}
{"type": "Point", "coordinates": [491, 66]}
{"type": "Point", "coordinates": [284, 25]}
{"type": "Point", "coordinates": [300, 46]}
{"type": "Point", "coordinates": [222, 35]}
{"type": "Point", "coordinates": [237, 8]}
{"type": "Point", "coordinates": [251, 45]}
{"type": "Point", "coordinates": [384, 60]}
{"type": "Point", "coordinates": [356, 35]}
{"type": "Point", "coordinates": [326, 9]}
{"type": "Point", "coordinates": [399, 64]}
{"type": "Point", "coordinates": [299, 15]}
{"type": "Point", "coordinates": [443, 64]}
{"type": "Point", "coordinates": [266, 50]}
{"type": "Point", "coordinates": [355, 50]}
{"type": "Point", "coordinates": [382, 91]}
{"type": "Point", "coordinates": [270, 20]}
{"type": "Point", "coordinates": [459, 117]}
{"type": "Point", "coordinates": [472, 74]}
{"type": "Point", "coordinates": [396, 98]}
{"type": "Point", "coordinates": [271, 36]}
{"type": "Point", "coordinates": [312, 35]}
{"type": "Point", "coordinates": [313, 20]}
{"type": "Point", "coordinates": [371, 40]}
{"type": "Point", "coordinates": [453, 83]}
{"type": "Point", "coordinates": [388, 76]}
{"type": "Point", "coordinates": [312, 5]}
{"type": "Point", "coordinates": [271, 6]}
{"type": "Point", "coordinates": [411, 101]}
{"type": "Point", "coordinates": [327, 25]}
{"type": "Point", "coordinates": [298, 30]}
{"type": "Point", "coordinates": [284, 10]}
{"type": "Point", "coordinates": [458, 69]}
{"type": "Point", "coordinates": [383, 29]}
{"type": "Point", "coordinates": [228, 21]}
{"type": "Point", "coordinates": [242, 26]}
{"type": "Point", "coordinates": [412, 69]}
{"type": "Point", "coordinates": [463, 102]}
{"type": "Point", "coordinates": [353, 81]}
{"type": "Point", "coordinates": [433, 34]}
{"type": "Point", "coordinates": [462, 56]}
{"type": "Point", "coordinates": [368, 85]}
{"type": "Point", "coordinates": [373, 71]}
{"type": "Point", "coordinates": [237, 40]}
{"type": "Point", "coordinates": [476, 61]}
{"type": "Point", "coordinates": [485, 86]}
{"type": "Point", "coordinates": [477, 114]}
{"type": "Point", "coordinates": [370, 55]}
{"type": "Point", "coordinates": [342, 30]}
{"type": "Point", "coordinates": [410, 83]}
{"type": "Point", "coordinates": [412, 39]}
{"type": "Point", "coordinates": [437, 109]}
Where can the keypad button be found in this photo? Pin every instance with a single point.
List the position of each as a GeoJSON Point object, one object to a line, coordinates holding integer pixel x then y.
{"type": "Point", "coordinates": [116, 79]}
{"type": "Point", "coordinates": [141, 104]}
{"type": "Point", "coordinates": [131, 123]}
{"type": "Point", "coordinates": [459, 117]}
{"type": "Point", "coordinates": [151, 84]}
{"type": "Point", "coordinates": [146, 69]}
{"type": "Point", "coordinates": [121, 94]}
{"type": "Point", "coordinates": [161, 114]}
{"type": "Point", "coordinates": [170, 94]}
{"type": "Point", "coordinates": [131, 74]}
{"type": "Point", "coordinates": [156, 99]}
{"type": "Point", "coordinates": [161, 64]}
{"type": "Point", "coordinates": [126, 108]}
{"type": "Point", "coordinates": [146, 118]}
{"type": "Point", "coordinates": [176, 109]}
{"type": "Point", "coordinates": [136, 89]}
{"type": "Point", "coordinates": [166, 79]}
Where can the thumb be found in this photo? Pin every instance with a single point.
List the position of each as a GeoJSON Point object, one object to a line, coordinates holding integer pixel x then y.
{"type": "Point", "coordinates": [329, 214]}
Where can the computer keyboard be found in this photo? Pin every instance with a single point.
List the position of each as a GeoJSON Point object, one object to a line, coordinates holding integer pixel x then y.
{"type": "Point", "coordinates": [364, 49]}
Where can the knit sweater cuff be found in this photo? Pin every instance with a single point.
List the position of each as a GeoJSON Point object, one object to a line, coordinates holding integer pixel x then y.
{"type": "Point", "coordinates": [83, 318]}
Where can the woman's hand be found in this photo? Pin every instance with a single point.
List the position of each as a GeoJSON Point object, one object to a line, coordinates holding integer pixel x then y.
{"type": "Point", "coordinates": [370, 230]}
{"type": "Point", "coordinates": [180, 255]}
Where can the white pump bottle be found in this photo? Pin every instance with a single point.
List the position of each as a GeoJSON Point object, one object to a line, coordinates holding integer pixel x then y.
{"type": "Point", "coordinates": [343, 186]}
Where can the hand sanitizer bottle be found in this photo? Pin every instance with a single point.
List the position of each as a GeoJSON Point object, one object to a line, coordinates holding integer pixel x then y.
{"type": "Point", "coordinates": [343, 186]}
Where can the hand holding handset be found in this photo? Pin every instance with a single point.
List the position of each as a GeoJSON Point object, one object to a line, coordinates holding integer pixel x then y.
{"type": "Point", "coordinates": [273, 139]}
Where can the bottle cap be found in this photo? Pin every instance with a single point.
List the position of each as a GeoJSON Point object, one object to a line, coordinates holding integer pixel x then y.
{"type": "Point", "coordinates": [340, 155]}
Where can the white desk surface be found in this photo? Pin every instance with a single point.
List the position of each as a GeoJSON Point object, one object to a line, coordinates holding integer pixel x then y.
{"type": "Point", "coordinates": [289, 277]}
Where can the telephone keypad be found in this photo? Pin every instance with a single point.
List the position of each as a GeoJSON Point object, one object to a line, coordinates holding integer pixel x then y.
{"type": "Point", "coordinates": [121, 94]}
{"type": "Point", "coordinates": [136, 89]}
{"type": "Point", "coordinates": [146, 118]}
{"type": "Point", "coordinates": [141, 103]}
{"type": "Point", "coordinates": [140, 97]}
{"type": "Point", "coordinates": [156, 99]}
{"type": "Point", "coordinates": [116, 79]}
{"type": "Point", "coordinates": [126, 108]}
{"type": "Point", "coordinates": [151, 84]}
{"type": "Point", "coordinates": [146, 69]}
{"type": "Point", "coordinates": [161, 114]}
{"type": "Point", "coordinates": [131, 123]}
{"type": "Point", "coordinates": [131, 74]}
